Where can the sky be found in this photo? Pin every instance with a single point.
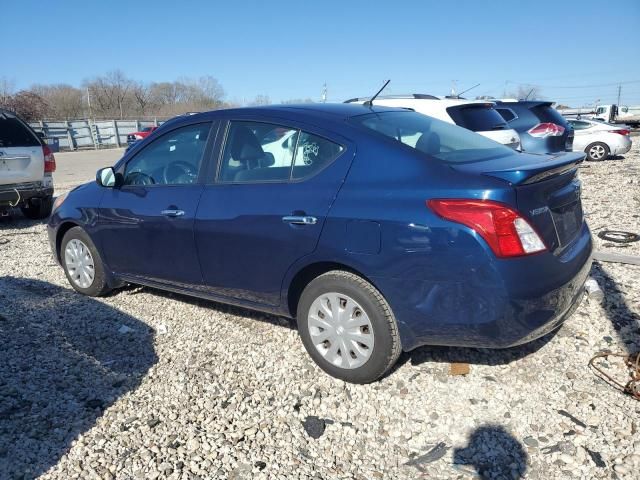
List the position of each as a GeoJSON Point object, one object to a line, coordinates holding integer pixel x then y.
{"type": "Point", "coordinates": [574, 52]}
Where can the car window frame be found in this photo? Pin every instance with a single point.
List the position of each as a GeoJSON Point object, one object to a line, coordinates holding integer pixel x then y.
{"type": "Point", "coordinates": [205, 159]}
{"type": "Point", "coordinates": [278, 122]}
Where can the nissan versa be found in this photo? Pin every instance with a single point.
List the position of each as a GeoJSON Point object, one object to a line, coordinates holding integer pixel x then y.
{"type": "Point", "coordinates": [378, 229]}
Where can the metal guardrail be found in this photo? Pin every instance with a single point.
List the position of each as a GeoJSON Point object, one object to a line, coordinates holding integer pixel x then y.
{"type": "Point", "coordinates": [79, 134]}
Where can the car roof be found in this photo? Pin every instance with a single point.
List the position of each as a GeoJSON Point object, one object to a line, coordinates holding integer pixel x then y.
{"type": "Point", "coordinates": [306, 111]}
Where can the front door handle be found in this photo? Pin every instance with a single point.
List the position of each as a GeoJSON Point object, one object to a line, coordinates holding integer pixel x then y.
{"type": "Point", "coordinates": [172, 213]}
{"type": "Point", "coordinates": [300, 220]}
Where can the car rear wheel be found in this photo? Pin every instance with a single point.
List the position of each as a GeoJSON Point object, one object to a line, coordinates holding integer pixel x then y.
{"type": "Point", "coordinates": [38, 208]}
{"type": "Point", "coordinates": [82, 263]}
{"type": "Point", "coordinates": [347, 327]}
{"type": "Point", "coordinates": [597, 151]}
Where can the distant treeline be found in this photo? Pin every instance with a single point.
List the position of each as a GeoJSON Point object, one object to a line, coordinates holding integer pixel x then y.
{"type": "Point", "coordinates": [114, 95]}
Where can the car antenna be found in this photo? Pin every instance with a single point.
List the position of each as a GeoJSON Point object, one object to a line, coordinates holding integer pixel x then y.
{"type": "Point", "coordinates": [530, 92]}
{"type": "Point", "coordinates": [370, 101]}
{"type": "Point", "coordinates": [476, 85]}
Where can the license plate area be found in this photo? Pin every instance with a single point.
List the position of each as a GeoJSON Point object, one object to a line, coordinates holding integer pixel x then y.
{"type": "Point", "coordinates": [567, 221]}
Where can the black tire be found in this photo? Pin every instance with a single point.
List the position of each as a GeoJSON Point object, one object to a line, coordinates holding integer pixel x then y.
{"type": "Point", "coordinates": [38, 208]}
{"type": "Point", "coordinates": [99, 285]}
{"type": "Point", "coordinates": [599, 146]}
{"type": "Point", "coordinates": [386, 347]}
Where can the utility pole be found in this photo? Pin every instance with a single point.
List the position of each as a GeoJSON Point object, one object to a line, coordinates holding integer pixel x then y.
{"type": "Point", "coordinates": [324, 93]}
{"type": "Point", "coordinates": [619, 91]}
{"type": "Point", "coordinates": [89, 101]}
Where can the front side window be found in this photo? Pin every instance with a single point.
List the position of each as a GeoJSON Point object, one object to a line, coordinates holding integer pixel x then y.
{"type": "Point", "coordinates": [263, 152]}
{"type": "Point", "coordinates": [447, 142]}
{"type": "Point", "coordinates": [172, 159]}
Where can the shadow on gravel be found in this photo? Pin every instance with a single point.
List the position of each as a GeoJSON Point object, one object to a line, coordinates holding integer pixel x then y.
{"type": "Point", "coordinates": [218, 307]}
{"type": "Point", "coordinates": [17, 221]}
{"type": "Point", "coordinates": [64, 358]}
{"type": "Point", "coordinates": [494, 454]}
{"type": "Point", "coordinates": [474, 356]}
{"type": "Point", "coordinates": [625, 322]}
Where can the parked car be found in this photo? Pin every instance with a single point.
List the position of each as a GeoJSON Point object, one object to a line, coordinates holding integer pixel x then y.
{"type": "Point", "coordinates": [599, 139]}
{"type": "Point", "coordinates": [478, 116]}
{"type": "Point", "coordinates": [385, 229]}
{"type": "Point", "coordinates": [26, 167]}
{"type": "Point", "coordinates": [143, 133]}
{"type": "Point", "coordinates": [542, 129]}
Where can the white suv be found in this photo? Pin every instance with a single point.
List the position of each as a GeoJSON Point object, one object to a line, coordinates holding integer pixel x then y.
{"type": "Point", "coordinates": [26, 167]}
{"type": "Point", "coordinates": [478, 116]}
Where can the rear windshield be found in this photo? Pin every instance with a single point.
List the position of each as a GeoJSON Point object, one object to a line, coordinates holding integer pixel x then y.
{"type": "Point", "coordinates": [546, 113]}
{"type": "Point", "coordinates": [14, 134]}
{"type": "Point", "coordinates": [433, 137]}
{"type": "Point", "coordinates": [478, 118]}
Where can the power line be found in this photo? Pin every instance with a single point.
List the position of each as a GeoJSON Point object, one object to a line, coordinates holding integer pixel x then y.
{"type": "Point", "coordinates": [574, 86]}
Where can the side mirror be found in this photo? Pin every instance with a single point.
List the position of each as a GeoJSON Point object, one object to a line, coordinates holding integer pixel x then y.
{"type": "Point", "coordinates": [106, 177]}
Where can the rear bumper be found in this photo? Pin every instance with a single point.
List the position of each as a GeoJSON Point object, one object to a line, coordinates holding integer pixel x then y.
{"type": "Point", "coordinates": [14, 195]}
{"type": "Point", "coordinates": [623, 147]}
{"type": "Point", "coordinates": [506, 304]}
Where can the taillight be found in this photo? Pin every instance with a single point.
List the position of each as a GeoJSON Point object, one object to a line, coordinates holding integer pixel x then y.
{"type": "Point", "coordinates": [49, 159]}
{"type": "Point", "coordinates": [543, 130]}
{"type": "Point", "coordinates": [621, 131]}
{"type": "Point", "coordinates": [503, 228]}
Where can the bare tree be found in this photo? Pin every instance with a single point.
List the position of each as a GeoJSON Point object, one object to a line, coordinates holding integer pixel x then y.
{"type": "Point", "coordinates": [260, 100]}
{"type": "Point", "coordinates": [64, 101]}
{"type": "Point", "coordinates": [109, 92]}
{"type": "Point", "coordinates": [528, 92]}
{"type": "Point", "coordinates": [142, 93]}
{"type": "Point", "coordinates": [30, 106]}
{"type": "Point", "coordinates": [297, 100]}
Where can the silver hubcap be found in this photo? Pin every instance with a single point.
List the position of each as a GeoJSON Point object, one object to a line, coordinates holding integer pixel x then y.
{"type": "Point", "coordinates": [340, 330]}
{"type": "Point", "coordinates": [596, 152]}
{"type": "Point", "coordinates": [79, 262]}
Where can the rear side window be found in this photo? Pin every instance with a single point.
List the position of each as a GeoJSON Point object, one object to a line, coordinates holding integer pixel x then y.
{"type": "Point", "coordinates": [507, 114]}
{"type": "Point", "coordinates": [14, 134]}
{"type": "Point", "coordinates": [433, 137]}
{"type": "Point", "coordinates": [477, 117]}
{"type": "Point", "coordinates": [312, 154]}
{"type": "Point", "coordinates": [579, 125]}
{"type": "Point", "coordinates": [266, 152]}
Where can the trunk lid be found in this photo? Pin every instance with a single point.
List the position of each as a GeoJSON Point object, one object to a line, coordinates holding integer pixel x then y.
{"type": "Point", "coordinates": [547, 192]}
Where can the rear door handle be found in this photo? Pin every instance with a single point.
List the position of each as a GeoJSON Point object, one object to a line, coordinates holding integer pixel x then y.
{"type": "Point", "coordinates": [300, 220]}
{"type": "Point", "coordinates": [172, 213]}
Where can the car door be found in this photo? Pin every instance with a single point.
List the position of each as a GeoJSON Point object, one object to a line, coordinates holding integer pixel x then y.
{"type": "Point", "coordinates": [582, 134]}
{"type": "Point", "coordinates": [266, 208]}
{"type": "Point", "coordinates": [145, 226]}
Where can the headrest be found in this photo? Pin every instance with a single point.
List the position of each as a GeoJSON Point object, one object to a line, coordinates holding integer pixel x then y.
{"type": "Point", "coordinates": [429, 143]}
{"type": "Point", "coordinates": [244, 144]}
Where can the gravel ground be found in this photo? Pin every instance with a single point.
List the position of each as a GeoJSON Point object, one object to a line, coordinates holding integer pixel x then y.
{"type": "Point", "coordinates": [145, 384]}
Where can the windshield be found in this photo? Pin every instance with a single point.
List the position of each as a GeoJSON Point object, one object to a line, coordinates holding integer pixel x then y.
{"type": "Point", "coordinates": [436, 138]}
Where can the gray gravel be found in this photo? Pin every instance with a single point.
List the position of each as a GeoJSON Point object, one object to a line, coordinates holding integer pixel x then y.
{"type": "Point", "coordinates": [144, 385]}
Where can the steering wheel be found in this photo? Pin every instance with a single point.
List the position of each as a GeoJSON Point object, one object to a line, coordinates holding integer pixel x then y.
{"type": "Point", "coordinates": [175, 170]}
{"type": "Point", "coordinates": [139, 178]}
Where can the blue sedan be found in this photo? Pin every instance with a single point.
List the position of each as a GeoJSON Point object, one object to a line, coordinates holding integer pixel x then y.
{"type": "Point", "coordinates": [377, 229]}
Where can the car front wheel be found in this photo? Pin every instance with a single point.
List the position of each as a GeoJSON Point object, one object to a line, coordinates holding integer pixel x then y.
{"type": "Point", "coordinates": [347, 327]}
{"type": "Point", "coordinates": [597, 151]}
{"type": "Point", "coordinates": [82, 263]}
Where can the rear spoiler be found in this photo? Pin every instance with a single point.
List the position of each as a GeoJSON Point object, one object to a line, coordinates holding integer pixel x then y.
{"type": "Point", "coordinates": [536, 172]}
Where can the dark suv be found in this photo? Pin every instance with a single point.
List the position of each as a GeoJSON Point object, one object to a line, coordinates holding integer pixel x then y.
{"type": "Point", "coordinates": [541, 127]}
